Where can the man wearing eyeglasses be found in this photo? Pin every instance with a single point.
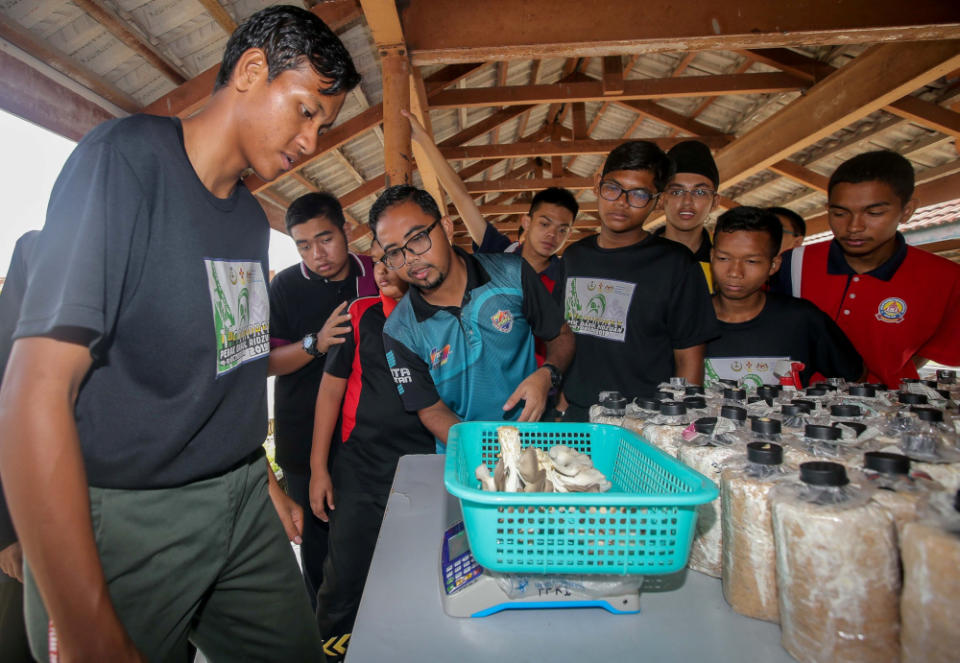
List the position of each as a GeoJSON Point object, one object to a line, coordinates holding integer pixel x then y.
{"type": "Point", "coordinates": [688, 200]}
{"type": "Point", "coordinates": [638, 304]}
{"type": "Point", "coordinates": [460, 343]}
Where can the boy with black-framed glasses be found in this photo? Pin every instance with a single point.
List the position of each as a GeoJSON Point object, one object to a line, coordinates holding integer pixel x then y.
{"type": "Point", "coordinates": [638, 304]}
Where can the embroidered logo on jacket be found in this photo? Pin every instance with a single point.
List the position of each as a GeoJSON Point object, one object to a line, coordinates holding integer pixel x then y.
{"type": "Point", "coordinates": [502, 321]}
{"type": "Point", "coordinates": [439, 357]}
{"type": "Point", "coordinates": [891, 309]}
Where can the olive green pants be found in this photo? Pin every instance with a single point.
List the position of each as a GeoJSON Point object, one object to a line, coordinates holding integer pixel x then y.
{"type": "Point", "coordinates": [207, 563]}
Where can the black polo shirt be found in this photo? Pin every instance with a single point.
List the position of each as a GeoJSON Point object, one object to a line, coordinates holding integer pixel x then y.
{"type": "Point", "coordinates": [375, 428]}
{"type": "Point", "coordinates": [300, 303]}
{"type": "Point", "coordinates": [702, 254]}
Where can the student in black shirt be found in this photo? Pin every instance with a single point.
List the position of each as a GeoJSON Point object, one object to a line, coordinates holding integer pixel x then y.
{"type": "Point", "coordinates": [638, 304]}
{"type": "Point", "coordinates": [308, 319]}
{"type": "Point", "coordinates": [760, 325]}
{"type": "Point", "coordinates": [375, 431]}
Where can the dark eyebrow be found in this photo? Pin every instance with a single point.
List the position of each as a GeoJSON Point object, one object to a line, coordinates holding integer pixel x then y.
{"type": "Point", "coordinates": [414, 231]}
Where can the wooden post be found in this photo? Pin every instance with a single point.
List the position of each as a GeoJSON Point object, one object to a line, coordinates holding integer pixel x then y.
{"type": "Point", "coordinates": [397, 154]}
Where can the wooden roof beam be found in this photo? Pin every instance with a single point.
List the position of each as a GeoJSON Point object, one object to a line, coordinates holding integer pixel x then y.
{"type": "Point", "coordinates": [557, 148]}
{"type": "Point", "coordinates": [220, 15]}
{"type": "Point", "coordinates": [50, 55]}
{"type": "Point", "coordinates": [530, 184]}
{"type": "Point", "coordinates": [877, 77]}
{"type": "Point", "coordinates": [133, 41]}
{"type": "Point", "coordinates": [804, 176]}
{"type": "Point", "coordinates": [444, 31]}
{"type": "Point", "coordinates": [646, 88]}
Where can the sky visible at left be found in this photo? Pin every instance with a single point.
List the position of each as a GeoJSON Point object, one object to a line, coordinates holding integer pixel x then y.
{"type": "Point", "coordinates": [33, 159]}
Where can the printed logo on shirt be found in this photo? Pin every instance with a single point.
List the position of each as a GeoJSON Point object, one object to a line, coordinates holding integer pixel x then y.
{"type": "Point", "coordinates": [439, 357]}
{"type": "Point", "coordinates": [598, 307]}
{"type": "Point", "coordinates": [241, 312]}
{"type": "Point", "coordinates": [891, 309]}
{"type": "Point", "coordinates": [502, 321]}
{"type": "Point", "coordinates": [401, 376]}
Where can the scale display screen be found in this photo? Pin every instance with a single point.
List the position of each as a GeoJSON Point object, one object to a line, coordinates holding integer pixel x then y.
{"type": "Point", "coordinates": [457, 565]}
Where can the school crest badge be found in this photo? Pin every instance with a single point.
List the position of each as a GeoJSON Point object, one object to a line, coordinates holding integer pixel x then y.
{"type": "Point", "coordinates": [891, 309]}
{"type": "Point", "coordinates": [502, 321]}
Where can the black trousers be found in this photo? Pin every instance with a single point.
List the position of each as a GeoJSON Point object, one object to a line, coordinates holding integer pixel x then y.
{"type": "Point", "coordinates": [354, 526]}
{"type": "Point", "coordinates": [13, 630]}
{"type": "Point", "coordinates": [313, 548]}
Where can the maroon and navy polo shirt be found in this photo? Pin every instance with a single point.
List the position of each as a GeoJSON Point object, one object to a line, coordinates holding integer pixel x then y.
{"type": "Point", "coordinates": [909, 306]}
{"type": "Point", "coordinates": [375, 429]}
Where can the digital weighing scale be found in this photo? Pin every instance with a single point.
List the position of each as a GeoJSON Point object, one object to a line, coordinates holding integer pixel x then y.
{"type": "Point", "coordinates": [467, 590]}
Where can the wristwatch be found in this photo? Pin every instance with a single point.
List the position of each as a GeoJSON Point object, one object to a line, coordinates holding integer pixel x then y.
{"type": "Point", "coordinates": [556, 377]}
{"type": "Point", "coordinates": [310, 346]}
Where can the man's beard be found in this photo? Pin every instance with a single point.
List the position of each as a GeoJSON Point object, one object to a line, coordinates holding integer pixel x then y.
{"type": "Point", "coordinates": [431, 285]}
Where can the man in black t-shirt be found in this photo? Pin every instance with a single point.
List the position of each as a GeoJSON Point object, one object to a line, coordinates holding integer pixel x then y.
{"type": "Point", "coordinates": [759, 329]}
{"type": "Point", "coordinates": [638, 304]}
{"type": "Point", "coordinates": [134, 402]}
{"type": "Point", "coordinates": [307, 319]}
{"type": "Point", "coordinates": [13, 636]}
{"type": "Point", "coordinates": [375, 431]}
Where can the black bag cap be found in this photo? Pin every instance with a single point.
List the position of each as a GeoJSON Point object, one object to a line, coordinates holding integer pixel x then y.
{"type": "Point", "coordinates": [765, 425]}
{"type": "Point", "coordinates": [693, 390]}
{"type": "Point", "coordinates": [909, 398]}
{"type": "Point", "coordinates": [909, 380]}
{"type": "Point", "coordinates": [705, 425]}
{"type": "Point", "coordinates": [945, 393]}
{"type": "Point", "coordinates": [695, 402]}
{"type": "Point", "coordinates": [821, 432]}
{"type": "Point", "coordinates": [820, 473]}
{"type": "Point", "coordinates": [793, 410]}
{"type": "Point", "coordinates": [879, 386]}
{"type": "Point", "coordinates": [663, 396]}
{"type": "Point", "coordinates": [863, 391]}
{"type": "Point", "coordinates": [845, 411]}
{"type": "Point", "coordinates": [768, 391]}
{"type": "Point", "coordinates": [927, 413]}
{"type": "Point", "coordinates": [733, 412]}
{"type": "Point", "coordinates": [672, 408]}
{"type": "Point", "coordinates": [765, 453]}
{"type": "Point", "coordinates": [810, 406]}
{"type": "Point", "coordinates": [614, 401]}
{"type": "Point", "coordinates": [819, 390]}
{"type": "Point", "coordinates": [735, 394]}
{"type": "Point", "coordinates": [647, 403]}
{"type": "Point", "coordinates": [946, 375]}
{"type": "Point", "coordinates": [855, 425]}
{"type": "Point", "coordinates": [929, 383]}
{"type": "Point", "coordinates": [886, 463]}
{"type": "Point", "coordinates": [728, 381]}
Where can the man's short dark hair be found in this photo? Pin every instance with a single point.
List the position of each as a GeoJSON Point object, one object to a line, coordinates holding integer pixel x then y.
{"type": "Point", "coordinates": [313, 205]}
{"type": "Point", "coordinates": [402, 193]}
{"type": "Point", "coordinates": [881, 166]}
{"type": "Point", "coordinates": [754, 219]}
{"type": "Point", "coordinates": [555, 196]}
{"type": "Point", "coordinates": [641, 155]}
{"type": "Point", "coordinates": [797, 223]}
{"type": "Point", "coordinates": [289, 36]}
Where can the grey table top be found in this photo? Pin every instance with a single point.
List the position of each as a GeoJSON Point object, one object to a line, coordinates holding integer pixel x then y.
{"type": "Point", "coordinates": [401, 618]}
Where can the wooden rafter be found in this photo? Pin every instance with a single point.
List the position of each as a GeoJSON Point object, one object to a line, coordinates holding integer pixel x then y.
{"type": "Point", "coordinates": [880, 75]}
{"type": "Point", "coordinates": [118, 28]}
{"type": "Point", "coordinates": [444, 31]}
{"type": "Point", "coordinates": [647, 88]}
{"type": "Point", "coordinates": [555, 148]}
{"type": "Point", "coordinates": [220, 15]}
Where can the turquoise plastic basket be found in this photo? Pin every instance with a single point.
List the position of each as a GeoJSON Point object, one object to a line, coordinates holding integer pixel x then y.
{"type": "Point", "coordinates": [643, 525]}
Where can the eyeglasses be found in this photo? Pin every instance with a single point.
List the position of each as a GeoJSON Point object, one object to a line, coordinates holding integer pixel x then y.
{"type": "Point", "coordinates": [635, 197]}
{"type": "Point", "coordinates": [696, 193]}
{"type": "Point", "coordinates": [416, 245]}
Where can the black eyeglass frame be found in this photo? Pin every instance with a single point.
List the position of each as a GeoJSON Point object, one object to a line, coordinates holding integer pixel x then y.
{"type": "Point", "coordinates": [621, 191]}
{"type": "Point", "coordinates": [402, 250]}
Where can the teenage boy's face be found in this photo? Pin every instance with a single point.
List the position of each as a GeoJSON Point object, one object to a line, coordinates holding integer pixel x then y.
{"type": "Point", "coordinates": [686, 210]}
{"type": "Point", "coordinates": [402, 222]}
{"type": "Point", "coordinates": [618, 216]}
{"type": "Point", "coordinates": [741, 262]}
{"type": "Point", "coordinates": [547, 229]}
{"type": "Point", "coordinates": [388, 280]}
{"type": "Point", "coordinates": [322, 246]}
{"type": "Point", "coordinates": [283, 118]}
{"type": "Point", "coordinates": [864, 216]}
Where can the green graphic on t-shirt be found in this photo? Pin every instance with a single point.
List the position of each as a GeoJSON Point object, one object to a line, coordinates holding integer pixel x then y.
{"type": "Point", "coordinates": [241, 312]}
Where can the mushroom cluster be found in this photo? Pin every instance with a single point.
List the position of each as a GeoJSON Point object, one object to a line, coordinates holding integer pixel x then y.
{"type": "Point", "coordinates": [532, 470]}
